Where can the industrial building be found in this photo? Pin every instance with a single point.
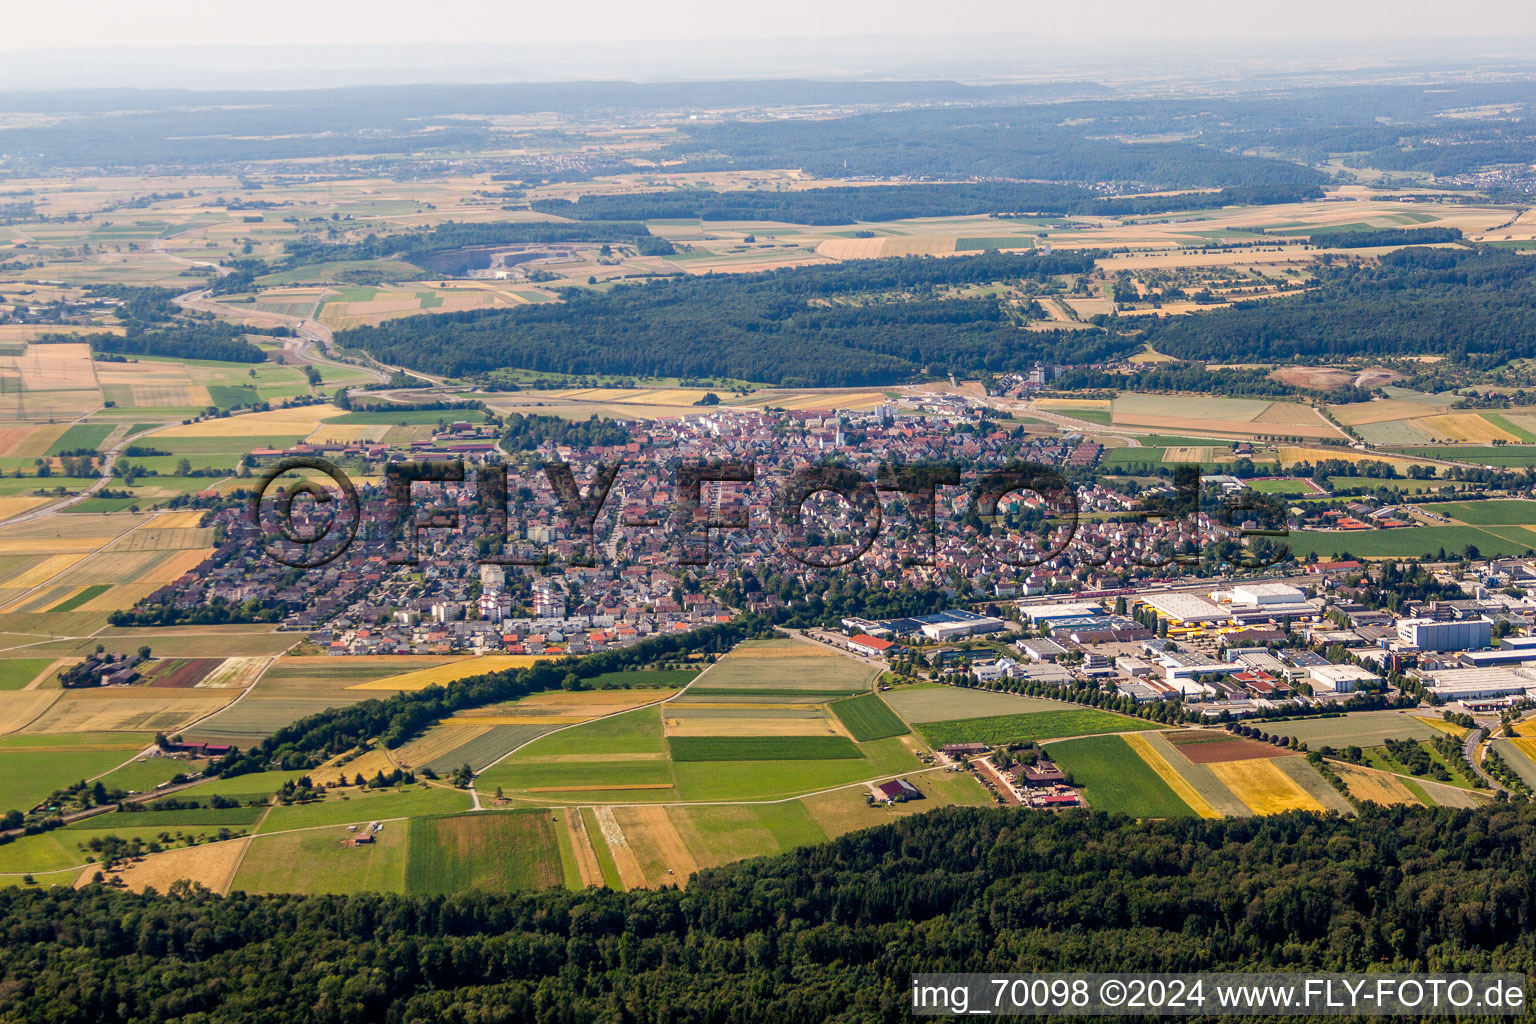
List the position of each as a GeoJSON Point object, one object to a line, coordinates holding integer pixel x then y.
{"type": "Point", "coordinates": [1453, 635]}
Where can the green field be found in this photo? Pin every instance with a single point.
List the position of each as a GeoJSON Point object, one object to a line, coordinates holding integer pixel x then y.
{"type": "Point", "coordinates": [346, 806]}
{"type": "Point", "coordinates": [1280, 486]}
{"type": "Point", "coordinates": [1487, 455]}
{"type": "Point", "coordinates": [937, 703]}
{"type": "Point", "coordinates": [90, 593]}
{"type": "Point", "coordinates": [1425, 541]}
{"type": "Point", "coordinates": [1115, 779]}
{"type": "Point", "coordinates": [318, 861]}
{"type": "Point", "coordinates": [234, 817]}
{"type": "Point", "coordinates": [27, 776]}
{"type": "Point", "coordinates": [66, 847]}
{"type": "Point", "coordinates": [634, 732]}
{"type": "Point", "coordinates": [600, 847]}
{"type": "Point", "coordinates": [659, 678]}
{"type": "Point", "coordinates": [994, 242]}
{"type": "Point", "coordinates": [81, 435]}
{"type": "Point", "coordinates": [720, 835]}
{"type": "Point", "coordinates": [868, 718]}
{"type": "Point", "coordinates": [1488, 513]}
{"type": "Point", "coordinates": [18, 672]}
{"type": "Point", "coordinates": [1034, 726]}
{"type": "Point", "coordinates": [761, 667]}
{"type": "Point", "coordinates": [761, 748]}
{"type": "Point", "coordinates": [1361, 729]}
{"type": "Point", "coordinates": [767, 780]}
{"type": "Point", "coordinates": [574, 777]}
{"type": "Point", "coordinates": [494, 851]}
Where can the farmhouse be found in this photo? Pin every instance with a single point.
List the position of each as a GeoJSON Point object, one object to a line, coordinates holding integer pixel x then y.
{"type": "Point", "coordinates": [963, 749]}
{"type": "Point", "coordinates": [898, 791]}
{"type": "Point", "coordinates": [1041, 773]}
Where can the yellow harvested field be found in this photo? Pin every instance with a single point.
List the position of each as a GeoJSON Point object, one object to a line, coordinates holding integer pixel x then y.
{"type": "Point", "coordinates": [169, 570]}
{"type": "Point", "coordinates": [234, 674]}
{"type": "Point", "coordinates": [64, 367]}
{"type": "Point", "coordinates": [1290, 455]}
{"type": "Point", "coordinates": [853, 401]}
{"type": "Point", "coordinates": [749, 727]}
{"type": "Point", "coordinates": [653, 837]}
{"type": "Point", "coordinates": [1466, 426]}
{"type": "Point", "coordinates": [631, 875]}
{"type": "Point", "coordinates": [37, 441]}
{"type": "Point", "coordinates": [16, 505]}
{"type": "Point", "coordinates": [1526, 745]}
{"type": "Point", "coordinates": [346, 433]}
{"type": "Point", "coordinates": [573, 718]}
{"type": "Point", "coordinates": [174, 521]}
{"type": "Point", "coordinates": [1263, 787]}
{"type": "Point", "coordinates": [126, 709]}
{"type": "Point", "coordinates": [1382, 410]}
{"type": "Point", "coordinates": [1194, 453]}
{"type": "Point", "coordinates": [610, 700]}
{"type": "Point", "coordinates": [1377, 787]}
{"type": "Point", "coordinates": [366, 765]}
{"type": "Point", "coordinates": [120, 597]}
{"type": "Point", "coordinates": [211, 865]}
{"type": "Point", "coordinates": [444, 674]}
{"type": "Point", "coordinates": [440, 739]}
{"type": "Point", "coordinates": [43, 571]}
{"type": "Point", "coordinates": [19, 708]}
{"type": "Point", "coordinates": [168, 539]}
{"type": "Point", "coordinates": [277, 422]}
{"type": "Point", "coordinates": [1442, 725]}
{"type": "Point", "coordinates": [586, 858]}
{"type": "Point", "coordinates": [1071, 403]}
{"type": "Point", "coordinates": [1165, 771]}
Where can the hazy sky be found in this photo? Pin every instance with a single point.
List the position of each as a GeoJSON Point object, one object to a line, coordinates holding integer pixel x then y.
{"type": "Point", "coordinates": [116, 23]}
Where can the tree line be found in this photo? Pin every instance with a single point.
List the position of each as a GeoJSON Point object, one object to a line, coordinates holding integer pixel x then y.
{"type": "Point", "coordinates": [826, 932]}
{"type": "Point", "coordinates": [863, 323]}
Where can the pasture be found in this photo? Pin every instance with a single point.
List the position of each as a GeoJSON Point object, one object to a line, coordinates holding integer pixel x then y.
{"type": "Point", "coordinates": [844, 810]}
{"type": "Point", "coordinates": [211, 865]}
{"type": "Point", "coordinates": [356, 805]}
{"type": "Point", "coordinates": [318, 861]}
{"type": "Point", "coordinates": [723, 834]}
{"type": "Point", "coordinates": [498, 852]}
{"type": "Point", "coordinates": [1114, 778]}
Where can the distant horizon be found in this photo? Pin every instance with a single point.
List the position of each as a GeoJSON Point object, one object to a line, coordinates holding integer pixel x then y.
{"type": "Point", "coordinates": [965, 57]}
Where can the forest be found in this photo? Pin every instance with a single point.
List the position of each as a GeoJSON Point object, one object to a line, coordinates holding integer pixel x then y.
{"type": "Point", "coordinates": [1470, 305]}
{"type": "Point", "coordinates": [828, 932]}
{"type": "Point", "coordinates": [427, 248]}
{"type": "Point", "coordinates": [864, 323]}
{"type": "Point", "coordinates": [848, 205]}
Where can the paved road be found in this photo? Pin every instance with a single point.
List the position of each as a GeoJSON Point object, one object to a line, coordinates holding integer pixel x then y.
{"type": "Point", "coordinates": [1469, 751]}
